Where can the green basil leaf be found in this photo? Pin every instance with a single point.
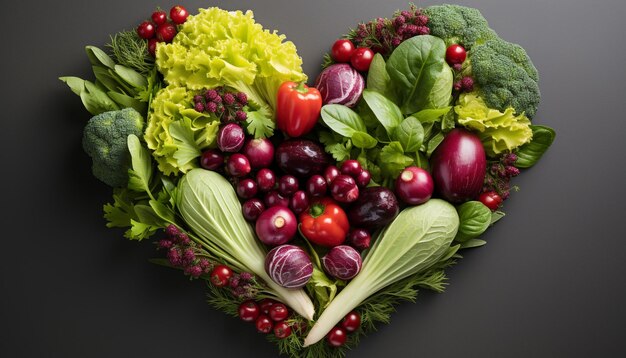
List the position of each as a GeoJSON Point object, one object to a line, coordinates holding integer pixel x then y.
{"type": "Point", "coordinates": [363, 140]}
{"type": "Point", "coordinates": [474, 218]}
{"type": "Point", "coordinates": [97, 57]}
{"type": "Point", "coordinates": [377, 77]}
{"type": "Point", "coordinates": [431, 114]}
{"type": "Point", "coordinates": [410, 134]}
{"type": "Point", "coordinates": [530, 153]}
{"type": "Point", "coordinates": [386, 112]}
{"type": "Point", "coordinates": [77, 85]}
{"type": "Point", "coordinates": [131, 76]}
{"type": "Point", "coordinates": [496, 216]}
{"type": "Point", "coordinates": [472, 243]}
{"type": "Point", "coordinates": [125, 101]}
{"type": "Point", "coordinates": [342, 120]}
{"type": "Point", "coordinates": [433, 143]}
{"type": "Point", "coordinates": [419, 74]}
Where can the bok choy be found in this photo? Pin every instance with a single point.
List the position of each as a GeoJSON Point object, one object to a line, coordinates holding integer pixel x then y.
{"type": "Point", "coordinates": [209, 205]}
{"type": "Point", "coordinates": [414, 241]}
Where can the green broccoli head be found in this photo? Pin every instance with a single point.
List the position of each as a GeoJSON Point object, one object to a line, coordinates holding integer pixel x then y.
{"type": "Point", "coordinates": [506, 76]}
{"type": "Point", "coordinates": [459, 25]}
{"type": "Point", "coordinates": [104, 140]}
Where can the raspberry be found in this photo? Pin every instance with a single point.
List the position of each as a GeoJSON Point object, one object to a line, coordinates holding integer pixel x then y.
{"type": "Point", "coordinates": [211, 95]}
{"type": "Point", "coordinates": [211, 107]}
{"type": "Point", "coordinates": [173, 256]}
{"type": "Point", "coordinates": [407, 15]}
{"type": "Point", "coordinates": [512, 171]}
{"type": "Point", "coordinates": [246, 276]}
{"type": "Point", "coordinates": [194, 271]}
{"type": "Point", "coordinates": [395, 42]}
{"type": "Point", "coordinates": [197, 98]}
{"type": "Point", "coordinates": [188, 255]}
{"type": "Point", "coordinates": [242, 98]}
{"type": "Point", "coordinates": [199, 107]}
{"type": "Point", "coordinates": [399, 21]}
{"type": "Point", "coordinates": [217, 100]}
{"type": "Point", "coordinates": [457, 67]}
{"type": "Point", "coordinates": [467, 83]}
{"type": "Point", "coordinates": [241, 116]}
{"type": "Point", "coordinates": [423, 30]}
{"type": "Point", "coordinates": [229, 99]}
{"type": "Point", "coordinates": [457, 86]}
{"type": "Point", "coordinates": [411, 30]}
{"type": "Point", "coordinates": [421, 20]}
{"type": "Point", "coordinates": [165, 244]}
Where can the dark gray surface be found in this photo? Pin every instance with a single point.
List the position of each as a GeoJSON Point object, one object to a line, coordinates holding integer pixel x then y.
{"type": "Point", "coordinates": [549, 283]}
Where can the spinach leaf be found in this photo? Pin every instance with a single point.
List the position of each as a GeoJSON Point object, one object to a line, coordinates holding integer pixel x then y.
{"type": "Point", "coordinates": [342, 120]}
{"type": "Point", "coordinates": [377, 77]}
{"type": "Point", "coordinates": [431, 114]}
{"type": "Point", "coordinates": [433, 143]}
{"type": "Point", "coordinates": [530, 153]}
{"type": "Point", "coordinates": [386, 112]}
{"type": "Point", "coordinates": [474, 218]}
{"type": "Point", "coordinates": [393, 160]}
{"type": "Point", "coordinates": [410, 134]}
{"type": "Point", "coordinates": [419, 74]}
{"type": "Point", "coordinates": [363, 140]}
{"type": "Point", "coordinates": [141, 173]}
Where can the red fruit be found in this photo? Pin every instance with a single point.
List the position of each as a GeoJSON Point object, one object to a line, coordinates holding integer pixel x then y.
{"type": "Point", "coordinates": [362, 58]}
{"type": "Point", "coordinates": [342, 50]}
{"type": "Point", "coordinates": [238, 165]}
{"type": "Point", "coordinates": [282, 330]}
{"type": "Point", "coordinates": [146, 30]}
{"type": "Point", "coordinates": [278, 312]}
{"type": "Point", "coordinates": [330, 173]}
{"type": "Point", "coordinates": [178, 14]}
{"type": "Point", "coordinates": [159, 17]}
{"type": "Point", "coordinates": [249, 311]}
{"type": "Point", "coordinates": [344, 189]}
{"type": "Point", "coordinates": [352, 168]}
{"type": "Point", "coordinates": [264, 324]}
{"type": "Point", "coordinates": [359, 239]}
{"type": "Point", "coordinates": [455, 54]}
{"type": "Point", "coordinates": [165, 33]}
{"type": "Point", "coordinates": [211, 159]}
{"type": "Point", "coordinates": [414, 186]}
{"type": "Point", "coordinates": [337, 337]}
{"type": "Point", "coordinates": [351, 322]}
{"type": "Point", "coordinates": [491, 199]}
{"type": "Point", "coordinates": [152, 46]}
{"type": "Point", "coordinates": [265, 305]}
{"type": "Point", "coordinates": [220, 275]}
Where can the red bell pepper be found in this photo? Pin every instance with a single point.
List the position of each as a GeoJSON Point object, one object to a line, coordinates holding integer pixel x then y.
{"type": "Point", "coordinates": [325, 223]}
{"type": "Point", "coordinates": [298, 108]}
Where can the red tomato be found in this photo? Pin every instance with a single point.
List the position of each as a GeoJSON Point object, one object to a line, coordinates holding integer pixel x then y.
{"type": "Point", "coordinates": [342, 50]}
{"type": "Point", "coordinates": [146, 30]}
{"type": "Point", "coordinates": [220, 275]}
{"type": "Point", "coordinates": [166, 33]}
{"type": "Point", "coordinates": [491, 199]}
{"type": "Point", "coordinates": [249, 311]}
{"type": "Point", "coordinates": [455, 54]}
{"type": "Point", "coordinates": [159, 17]}
{"type": "Point", "coordinates": [178, 14]}
{"type": "Point", "coordinates": [336, 337]}
{"type": "Point", "coordinates": [362, 58]}
{"type": "Point", "coordinates": [351, 321]}
{"type": "Point", "coordinates": [282, 330]}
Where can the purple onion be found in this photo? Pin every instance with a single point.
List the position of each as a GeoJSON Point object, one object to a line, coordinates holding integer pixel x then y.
{"type": "Point", "coordinates": [340, 84]}
{"type": "Point", "coordinates": [342, 262]}
{"type": "Point", "coordinates": [231, 138]}
{"type": "Point", "coordinates": [289, 266]}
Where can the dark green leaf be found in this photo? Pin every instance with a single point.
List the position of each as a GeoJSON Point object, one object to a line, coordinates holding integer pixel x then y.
{"type": "Point", "coordinates": [410, 134]}
{"type": "Point", "coordinates": [377, 77]}
{"type": "Point", "coordinates": [386, 112]}
{"type": "Point", "coordinates": [474, 219]}
{"type": "Point", "coordinates": [342, 120]}
{"type": "Point", "coordinates": [363, 140]}
{"type": "Point", "coordinates": [530, 153]}
{"type": "Point", "coordinates": [433, 143]}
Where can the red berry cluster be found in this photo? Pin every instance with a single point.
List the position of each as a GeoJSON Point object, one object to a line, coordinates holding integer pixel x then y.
{"type": "Point", "coordinates": [384, 35]}
{"type": "Point", "coordinates": [159, 29]}
{"type": "Point", "coordinates": [499, 175]}
{"type": "Point", "coordinates": [465, 84]}
{"type": "Point", "coordinates": [268, 316]}
{"type": "Point", "coordinates": [338, 335]}
{"type": "Point", "coordinates": [226, 105]}
{"type": "Point", "coordinates": [183, 253]}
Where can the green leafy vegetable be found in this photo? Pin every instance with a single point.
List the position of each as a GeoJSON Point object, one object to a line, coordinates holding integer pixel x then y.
{"type": "Point", "coordinates": [430, 115]}
{"type": "Point", "coordinates": [377, 77]}
{"type": "Point", "coordinates": [410, 134]}
{"type": "Point", "coordinates": [474, 218]}
{"type": "Point", "coordinates": [530, 153]}
{"type": "Point", "coordinates": [415, 241]}
{"type": "Point", "coordinates": [209, 205]}
{"type": "Point", "coordinates": [386, 112]}
{"type": "Point", "coordinates": [342, 120]}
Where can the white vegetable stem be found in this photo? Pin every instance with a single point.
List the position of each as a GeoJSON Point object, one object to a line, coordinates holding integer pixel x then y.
{"type": "Point", "coordinates": [413, 242]}
{"type": "Point", "coordinates": [209, 205]}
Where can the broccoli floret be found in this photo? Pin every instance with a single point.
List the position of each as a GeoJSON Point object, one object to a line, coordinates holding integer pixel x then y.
{"type": "Point", "coordinates": [459, 25]}
{"type": "Point", "coordinates": [506, 76]}
{"type": "Point", "coordinates": [104, 140]}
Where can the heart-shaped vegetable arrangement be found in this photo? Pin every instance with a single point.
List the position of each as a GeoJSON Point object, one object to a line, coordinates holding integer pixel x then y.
{"type": "Point", "coordinates": [311, 211]}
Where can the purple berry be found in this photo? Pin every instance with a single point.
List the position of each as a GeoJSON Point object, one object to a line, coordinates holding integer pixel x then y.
{"type": "Point", "coordinates": [229, 99]}
{"type": "Point", "coordinates": [197, 98]}
{"type": "Point", "coordinates": [241, 116]}
{"type": "Point", "coordinates": [211, 107]}
{"type": "Point", "coordinates": [512, 171]}
{"type": "Point", "coordinates": [165, 244]}
{"type": "Point", "coordinates": [199, 107]}
{"type": "Point", "coordinates": [399, 21]}
{"type": "Point", "coordinates": [172, 231]}
{"type": "Point", "coordinates": [467, 83]}
{"type": "Point", "coordinates": [211, 95]}
{"type": "Point", "coordinates": [458, 86]}
{"type": "Point", "coordinates": [188, 255]}
{"type": "Point", "coordinates": [423, 30]}
{"type": "Point", "coordinates": [195, 271]}
{"type": "Point", "coordinates": [421, 20]}
{"type": "Point", "coordinates": [242, 98]}
{"type": "Point", "coordinates": [173, 256]}
{"type": "Point", "coordinates": [217, 100]}
{"type": "Point", "coordinates": [246, 276]}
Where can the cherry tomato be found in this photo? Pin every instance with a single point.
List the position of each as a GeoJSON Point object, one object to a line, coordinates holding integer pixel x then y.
{"type": "Point", "coordinates": [178, 14]}
{"type": "Point", "coordinates": [159, 17]}
{"type": "Point", "coordinates": [146, 30]}
{"type": "Point", "coordinates": [166, 33]}
{"type": "Point", "coordinates": [455, 54]}
{"type": "Point", "coordinates": [249, 311]}
{"type": "Point", "coordinates": [351, 321]}
{"type": "Point", "coordinates": [265, 305]}
{"type": "Point", "coordinates": [152, 45]}
{"type": "Point", "coordinates": [336, 337]}
{"type": "Point", "coordinates": [342, 50]}
{"type": "Point", "coordinates": [490, 199]}
{"type": "Point", "coordinates": [278, 312]}
{"type": "Point", "coordinates": [220, 275]}
{"type": "Point", "coordinates": [263, 324]}
{"type": "Point", "coordinates": [362, 58]}
{"type": "Point", "coordinates": [282, 330]}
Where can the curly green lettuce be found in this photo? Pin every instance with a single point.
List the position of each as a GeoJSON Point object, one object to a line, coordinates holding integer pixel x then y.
{"type": "Point", "coordinates": [227, 48]}
{"type": "Point", "coordinates": [176, 133]}
{"type": "Point", "coordinates": [499, 131]}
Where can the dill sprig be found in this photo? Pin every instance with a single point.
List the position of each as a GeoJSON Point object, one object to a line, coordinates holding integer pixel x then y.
{"type": "Point", "coordinates": [128, 49]}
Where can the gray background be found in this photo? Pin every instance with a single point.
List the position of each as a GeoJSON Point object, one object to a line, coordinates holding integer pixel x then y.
{"type": "Point", "coordinates": [549, 283]}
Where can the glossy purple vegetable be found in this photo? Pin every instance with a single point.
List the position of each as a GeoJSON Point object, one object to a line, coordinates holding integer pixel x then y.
{"type": "Point", "coordinates": [231, 138]}
{"type": "Point", "coordinates": [301, 157]}
{"type": "Point", "coordinates": [376, 206]}
{"type": "Point", "coordinates": [276, 225]}
{"type": "Point", "coordinates": [458, 166]}
{"type": "Point", "coordinates": [252, 208]}
{"type": "Point", "coordinates": [260, 152]}
{"type": "Point", "coordinates": [340, 84]}
{"type": "Point", "coordinates": [414, 186]}
{"type": "Point", "coordinates": [212, 159]}
{"type": "Point", "coordinates": [289, 266]}
{"type": "Point", "coordinates": [342, 262]}
{"type": "Point", "coordinates": [344, 189]}
{"type": "Point", "coordinates": [238, 165]}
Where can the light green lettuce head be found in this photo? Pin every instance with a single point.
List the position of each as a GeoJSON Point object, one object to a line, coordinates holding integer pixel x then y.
{"type": "Point", "coordinates": [498, 131]}
{"type": "Point", "coordinates": [227, 48]}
